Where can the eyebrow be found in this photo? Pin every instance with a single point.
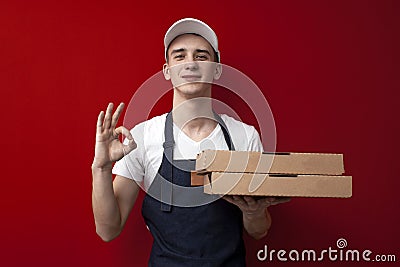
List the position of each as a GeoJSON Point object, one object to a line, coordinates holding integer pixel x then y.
{"type": "Point", "coordinates": [203, 51]}
{"type": "Point", "coordinates": [183, 50]}
{"type": "Point", "coordinates": [177, 50]}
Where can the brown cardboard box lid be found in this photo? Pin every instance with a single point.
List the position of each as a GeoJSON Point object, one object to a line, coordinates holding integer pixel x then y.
{"type": "Point", "coordinates": [270, 185]}
{"type": "Point", "coordinates": [279, 163]}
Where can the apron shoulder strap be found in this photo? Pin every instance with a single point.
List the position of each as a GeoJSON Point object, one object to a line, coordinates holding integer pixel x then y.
{"type": "Point", "coordinates": [166, 182]}
{"type": "Point", "coordinates": [225, 131]}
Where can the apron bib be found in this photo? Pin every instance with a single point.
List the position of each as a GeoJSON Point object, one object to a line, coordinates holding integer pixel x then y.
{"type": "Point", "coordinates": [208, 235]}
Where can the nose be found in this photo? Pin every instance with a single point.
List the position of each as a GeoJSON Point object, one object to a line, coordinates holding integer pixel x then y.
{"type": "Point", "coordinates": [191, 65]}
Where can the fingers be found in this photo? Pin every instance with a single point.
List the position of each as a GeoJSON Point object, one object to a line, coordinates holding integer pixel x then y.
{"type": "Point", "coordinates": [107, 118]}
{"type": "Point", "coordinates": [250, 201]}
{"type": "Point", "coordinates": [116, 115]}
{"type": "Point", "coordinates": [129, 147]}
{"type": "Point", "coordinates": [236, 200]}
{"type": "Point", "coordinates": [100, 121]}
{"type": "Point", "coordinates": [229, 199]}
{"type": "Point", "coordinates": [270, 201]}
{"type": "Point", "coordinates": [131, 142]}
{"type": "Point", "coordinates": [240, 201]}
{"type": "Point", "coordinates": [125, 132]}
{"type": "Point", "coordinates": [280, 200]}
{"type": "Point", "coordinates": [245, 201]}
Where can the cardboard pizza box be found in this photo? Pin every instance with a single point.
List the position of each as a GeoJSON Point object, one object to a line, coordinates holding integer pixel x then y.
{"type": "Point", "coordinates": [277, 185]}
{"type": "Point", "coordinates": [265, 162]}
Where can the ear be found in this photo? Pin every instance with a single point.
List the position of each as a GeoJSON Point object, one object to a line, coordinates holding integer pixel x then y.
{"type": "Point", "coordinates": [218, 71]}
{"type": "Point", "coordinates": [166, 73]}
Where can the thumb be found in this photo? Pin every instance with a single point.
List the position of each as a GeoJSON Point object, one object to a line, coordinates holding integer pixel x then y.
{"type": "Point", "coordinates": [131, 142]}
{"type": "Point", "coordinates": [129, 147]}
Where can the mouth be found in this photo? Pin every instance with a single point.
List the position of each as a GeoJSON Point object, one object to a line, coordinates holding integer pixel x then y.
{"type": "Point", "coordinates": [191, 77]}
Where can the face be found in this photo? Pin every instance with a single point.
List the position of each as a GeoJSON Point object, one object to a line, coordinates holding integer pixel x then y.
{"type": "Point", "coordinates": [191, 67]}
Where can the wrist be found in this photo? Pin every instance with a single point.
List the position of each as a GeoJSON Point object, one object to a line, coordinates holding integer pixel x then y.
{"type": "Point", "coordinates": [96, 167]}
{"type": "Point", "coordinates": [101, 173]}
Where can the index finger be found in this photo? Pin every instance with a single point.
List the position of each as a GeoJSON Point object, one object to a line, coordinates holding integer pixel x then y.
{"type": "Point", "coordinates": [116, 115]}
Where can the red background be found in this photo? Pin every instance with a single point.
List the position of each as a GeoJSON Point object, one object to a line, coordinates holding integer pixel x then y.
{"type": "Point", "coordinates": [329, 69]}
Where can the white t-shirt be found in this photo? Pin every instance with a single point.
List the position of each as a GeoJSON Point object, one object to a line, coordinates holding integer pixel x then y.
{"type": "Point", "coordinates": [142, 164]}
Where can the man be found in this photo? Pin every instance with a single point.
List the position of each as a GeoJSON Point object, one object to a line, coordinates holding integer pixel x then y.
{"type": "Point", "coordinates": [159, 155]}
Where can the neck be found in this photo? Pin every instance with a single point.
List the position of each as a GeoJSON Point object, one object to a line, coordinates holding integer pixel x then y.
{"type": "Point", "coordinates": [193, 115]}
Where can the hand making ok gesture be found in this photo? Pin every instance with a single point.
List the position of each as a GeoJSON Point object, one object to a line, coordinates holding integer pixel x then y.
{"type": "Point", "coordinates": [108, 147]}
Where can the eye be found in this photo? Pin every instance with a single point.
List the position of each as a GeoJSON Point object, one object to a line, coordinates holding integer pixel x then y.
{"type": "Point", "coordinates": [201, 57]}
{"type": "Point", "coordinates": [178, 56]}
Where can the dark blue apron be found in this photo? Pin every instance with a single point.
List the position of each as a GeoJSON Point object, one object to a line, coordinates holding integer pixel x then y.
{"type": "Point", "coordinates": [209, 235]}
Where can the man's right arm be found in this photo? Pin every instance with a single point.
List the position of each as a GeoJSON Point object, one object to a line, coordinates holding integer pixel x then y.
{"type": "Point", "coordinates": [112, 200]}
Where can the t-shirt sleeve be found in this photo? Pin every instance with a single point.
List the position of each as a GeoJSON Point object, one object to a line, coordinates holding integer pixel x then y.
{"type": "Point", "coordinates": [131, 166]}
{"type": "Point", "coordinates": [255, 143]}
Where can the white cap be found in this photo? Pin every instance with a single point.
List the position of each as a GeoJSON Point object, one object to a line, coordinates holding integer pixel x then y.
{"type": "Point", "coordinates": [190, 25]}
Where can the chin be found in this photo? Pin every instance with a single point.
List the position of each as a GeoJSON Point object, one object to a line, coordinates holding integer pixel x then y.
{"type": "Point", "coordinates": [194, 89]}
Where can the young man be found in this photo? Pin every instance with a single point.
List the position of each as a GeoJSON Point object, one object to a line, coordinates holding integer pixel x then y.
{"type": "Point", "coordinates": [159, 155]}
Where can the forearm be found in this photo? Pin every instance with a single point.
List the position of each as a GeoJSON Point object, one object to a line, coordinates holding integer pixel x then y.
{"type": "Point", "coordinates": [105, 206]}
{"type": "Point", "coordinates": [257, 224]}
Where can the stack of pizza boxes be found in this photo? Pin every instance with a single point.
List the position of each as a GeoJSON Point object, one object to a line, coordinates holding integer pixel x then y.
{"type": "Point", "coordinates": [272, 174]}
